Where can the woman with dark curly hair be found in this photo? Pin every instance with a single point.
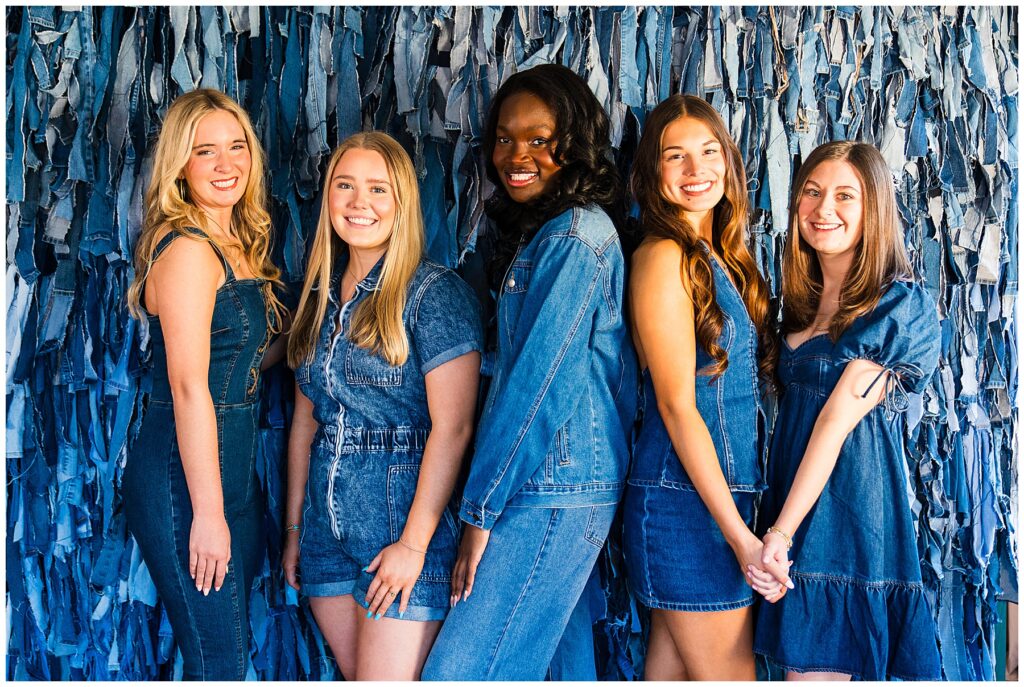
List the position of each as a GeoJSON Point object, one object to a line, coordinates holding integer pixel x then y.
{"type": "Point", "coordinates": [552, 446]}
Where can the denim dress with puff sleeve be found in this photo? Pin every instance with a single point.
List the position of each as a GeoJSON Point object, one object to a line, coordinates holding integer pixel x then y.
{"type": "Point", "coordinates": [859, 606]}
{"type": "Point", "coordinates": [373, 423]}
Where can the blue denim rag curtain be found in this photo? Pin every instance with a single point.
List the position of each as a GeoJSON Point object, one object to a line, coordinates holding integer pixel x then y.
{"type": "Point", "coordinates": [934, 88]}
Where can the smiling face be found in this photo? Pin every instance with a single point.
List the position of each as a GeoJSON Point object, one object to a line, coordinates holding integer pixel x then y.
{"type": "Point", "coordinates": [831, 208]}
{"type": "Point", "coordinates": [361, 201]}
{"type": "Point", "coordinates": [524, 146]}
{"type": "Point", "coordinates": [693, 168]}
{"type": "Point", "coordinates": [217, 170]}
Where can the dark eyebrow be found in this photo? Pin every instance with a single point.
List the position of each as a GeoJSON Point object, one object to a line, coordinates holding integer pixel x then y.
{"type": "Point", "coordinates": [709, 141]}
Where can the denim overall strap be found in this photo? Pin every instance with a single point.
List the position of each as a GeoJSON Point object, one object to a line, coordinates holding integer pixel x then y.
{"type": "Point", "coordinates": [171, 235]}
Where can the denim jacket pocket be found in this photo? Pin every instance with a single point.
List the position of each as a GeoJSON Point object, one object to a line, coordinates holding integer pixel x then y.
{"type": "Point", "coordinates": [367, 368]}
{"type": "Point", "coordinates": [518, 278]}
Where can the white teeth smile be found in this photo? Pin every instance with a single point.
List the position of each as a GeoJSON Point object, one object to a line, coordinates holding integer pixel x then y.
{"type": "Point", "coordinates": [361, 221]}
{"type": "Point", "coordinates": [825, 227]}
{"type": "Point", "coordinates": [225, 183]}
{"type": "Point", "coordinates": [520, 177]}
{"type": "Point", "coordinates": [697, 188]}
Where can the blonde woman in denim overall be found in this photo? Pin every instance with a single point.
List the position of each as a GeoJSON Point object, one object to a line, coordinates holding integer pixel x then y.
{"type": "Point", "coordinates": [203, 280]}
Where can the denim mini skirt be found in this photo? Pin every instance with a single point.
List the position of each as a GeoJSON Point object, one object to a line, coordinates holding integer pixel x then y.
{"type": "Point", "coordinates": [677, 558]}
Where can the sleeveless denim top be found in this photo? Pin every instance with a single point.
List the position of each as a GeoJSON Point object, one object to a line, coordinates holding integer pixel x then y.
{"type": "Point", "coordinates": [729, 405]}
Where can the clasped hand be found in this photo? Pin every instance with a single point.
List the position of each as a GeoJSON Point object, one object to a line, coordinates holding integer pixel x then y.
{"type": "Point", "coordinates": [766, 566]}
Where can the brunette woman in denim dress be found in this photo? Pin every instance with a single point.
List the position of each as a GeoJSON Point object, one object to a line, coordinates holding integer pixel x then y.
{"type": "Point", "coordinates": [861, 343]}
{"type": "Point", "coordinates": [699, 311]}
{"type": "Point", "coordinates": [552, 444]}
{"type": "Point", "coordinates": [386, 350]}
{"type": "Point", "coordinates": [203, 279]}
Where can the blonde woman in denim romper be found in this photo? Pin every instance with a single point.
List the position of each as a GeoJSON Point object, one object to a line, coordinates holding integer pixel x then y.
{"type": "Point", "coordinates": [386, 350]}
{"type": "Point", "coordinates": [698, 306]}
{"type": "Point", "coordinates": [552, 445]}
{"type": "Point", "coordinates": [861, 342]}
{"type": "Point", "coordinates": [203, 281]}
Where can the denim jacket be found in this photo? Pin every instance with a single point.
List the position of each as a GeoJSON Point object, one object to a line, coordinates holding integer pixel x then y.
{"type": "Point", "coordinates": [556, 425]}
{"type": "Point", "coordinates": [360, 402]}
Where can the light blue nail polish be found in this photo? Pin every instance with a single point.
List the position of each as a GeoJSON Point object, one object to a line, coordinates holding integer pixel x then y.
{"type": "Point", "coordinates": [377, 617]}
{"type": "Point", "coordinates": [401, 614]}
{"type": "Point", "coordinates": [366, 569]}
{"type": "Point", "coordinates": [369, 613]}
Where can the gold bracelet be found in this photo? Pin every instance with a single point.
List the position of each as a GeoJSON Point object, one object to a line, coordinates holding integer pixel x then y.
{"type": "Point", "coordinates": [402, 542]}
{"type": "Point", "coordinates": [776, 530]}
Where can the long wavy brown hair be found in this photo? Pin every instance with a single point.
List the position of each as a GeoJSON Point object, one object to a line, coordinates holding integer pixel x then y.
{"type": "Point", "coordinates": [660, 218]}
{"type": "Point", "coordinates": [880, 257]}
{"type": "Point", "coordinates": [377, 323]}
{"type": "Point", "coordinates": [168, 203]}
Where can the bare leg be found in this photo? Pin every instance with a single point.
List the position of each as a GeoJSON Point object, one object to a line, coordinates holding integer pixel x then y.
{"type": "Point", "coordinates": [717, 645]}
{"type": "Point", "coordinates": [336, 616]}
{"type": "Point", "coordinates": [792, 676]}
{"type": "Point", "coordinates": [393, 649]}
{"type": "Point", "coordinates": [663, 661]}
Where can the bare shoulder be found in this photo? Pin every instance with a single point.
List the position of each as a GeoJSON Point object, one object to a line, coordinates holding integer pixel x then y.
{"type": "Point", "coordinates": [657, 260]}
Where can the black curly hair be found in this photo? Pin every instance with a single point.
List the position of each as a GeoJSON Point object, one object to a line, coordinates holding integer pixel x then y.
{"type": "Point", "coordinates": [582, 149]}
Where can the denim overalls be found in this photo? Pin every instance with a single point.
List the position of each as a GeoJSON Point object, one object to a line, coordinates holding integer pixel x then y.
{"type": "Point", "coordinates": [552, 450]}
{"type": "Point", "coordinates": [212, 631]}
{"type": "Point", "coordinates": [374, 422]}
{"type": "Point", "coordinates": [676, 555]}
{"type": "Point", "coordinates": [859, 606]}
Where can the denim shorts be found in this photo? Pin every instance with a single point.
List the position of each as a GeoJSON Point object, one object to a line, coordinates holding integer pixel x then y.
{"type": "Point", "coordinates": [355, 506]}
{"type": "Point", "coordinates": [677, 558]}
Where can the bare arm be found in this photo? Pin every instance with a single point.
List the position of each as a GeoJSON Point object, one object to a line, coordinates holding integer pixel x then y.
{"type": "Point", "coordinates": [182, 286]}
{"type": "Point", "coordinates": [300, 438]}
{"type": "Point", "coordinates": [663, 316]}
{"type": "Point", "coordinates": [843, 410]}
{"type": "Point", "coordinates": [451, 400]}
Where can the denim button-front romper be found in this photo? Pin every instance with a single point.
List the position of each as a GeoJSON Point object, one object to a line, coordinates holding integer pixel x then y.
{"type": "Point", "coordinates": [859, 606]}
{"type": "Point", "coordinates": [676, 555]}
{"type": "Point", "coordinates": [212, 631]}
{"type": "Point", "coordinates": [373, 423]}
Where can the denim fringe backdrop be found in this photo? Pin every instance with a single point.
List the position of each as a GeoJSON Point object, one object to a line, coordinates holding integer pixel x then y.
{"type": "Point", "coordinates": [935, 89]}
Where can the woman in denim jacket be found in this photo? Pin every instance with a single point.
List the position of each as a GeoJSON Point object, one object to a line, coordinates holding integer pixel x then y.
{"type": "Point", "coordinates": [700, 311]}
{"type": "Point", "coordinates": [386, 351]}
{"type": "Point", "coordinates": [861, 342]}
{"type": "Point", "coordinates": [204, 282]}
{"type": "Point", "coordinates": [552, 444]}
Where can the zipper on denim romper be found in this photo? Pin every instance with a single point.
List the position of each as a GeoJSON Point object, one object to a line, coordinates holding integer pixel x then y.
{"type": "Point", "coordinates": [341, 414]}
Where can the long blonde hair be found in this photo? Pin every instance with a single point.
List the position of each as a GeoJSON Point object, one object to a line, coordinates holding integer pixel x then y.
{"type": "Point", "coordinates": [377, 323]}
{"type": "Point", "coordinates": [661, 218]}
{"type": "Point", "coordinates": [168, 202]}
{"type": "Point", "coordinates": [880, 256]}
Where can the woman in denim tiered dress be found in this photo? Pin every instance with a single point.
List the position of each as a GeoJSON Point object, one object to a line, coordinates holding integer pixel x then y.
{"type": "Point", "coordinates": [386, 350]}
{"type": "Point", "coordinates": [861, 342]}
{"type": "Point", "coordinates": [699, 309]}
